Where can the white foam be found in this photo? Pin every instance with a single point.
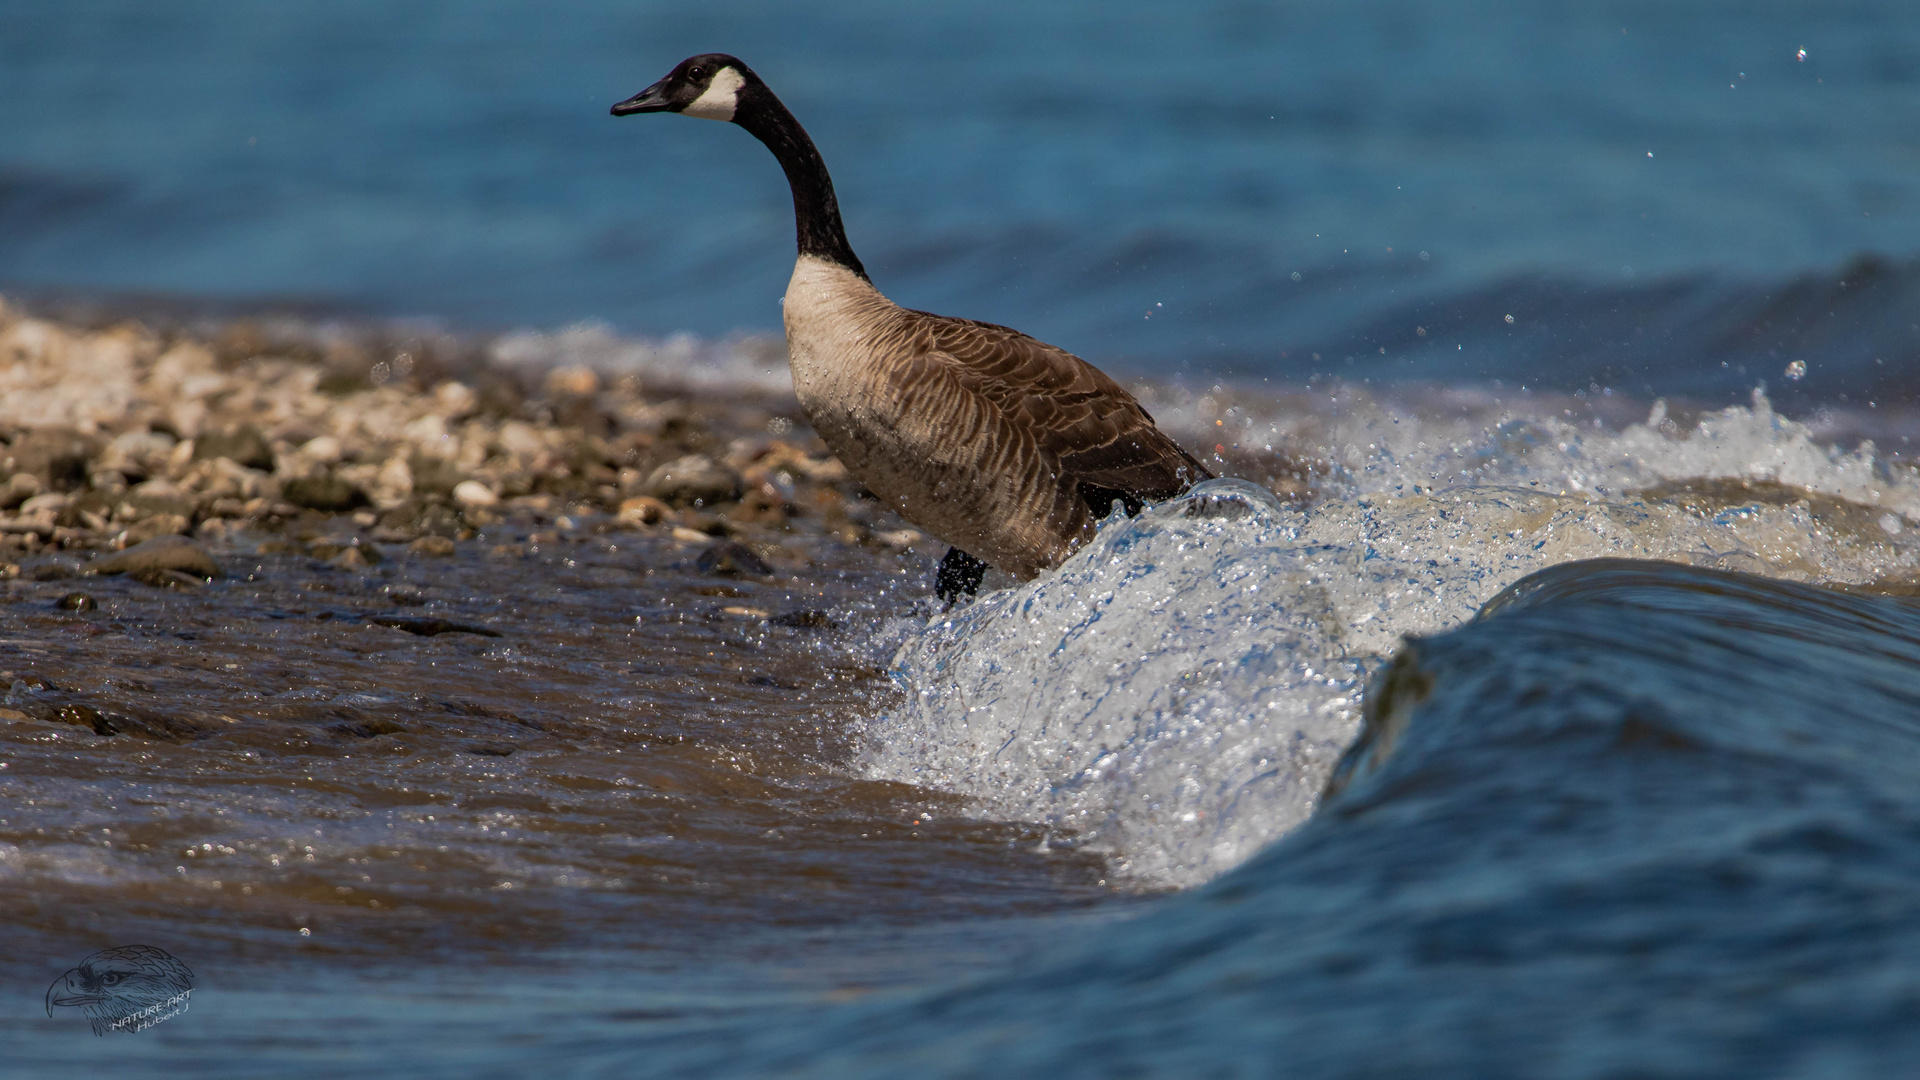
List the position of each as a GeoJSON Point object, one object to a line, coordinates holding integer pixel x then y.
{"type": "Point", "coordinates": [1175, 694]}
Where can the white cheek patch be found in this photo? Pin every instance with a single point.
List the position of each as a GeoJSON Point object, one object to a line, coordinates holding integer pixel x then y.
{"type": "Point", "coordinates": [720, 98]}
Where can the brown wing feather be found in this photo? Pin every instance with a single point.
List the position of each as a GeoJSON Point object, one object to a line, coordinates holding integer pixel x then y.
{"type": "Point", "coordinates": [1077, 416]}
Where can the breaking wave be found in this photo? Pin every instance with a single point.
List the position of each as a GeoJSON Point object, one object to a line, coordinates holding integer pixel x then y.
{"type": "Point", "coordinates": [1176, 694]}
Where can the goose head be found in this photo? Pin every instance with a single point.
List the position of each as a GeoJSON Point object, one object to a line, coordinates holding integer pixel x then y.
{"type": "Point", "coordinates": [707, 86]}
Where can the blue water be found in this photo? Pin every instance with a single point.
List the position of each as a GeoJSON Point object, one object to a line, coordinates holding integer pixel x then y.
{"type": "Point", "coordinates": [1619, 825]}
{"type": "Point", "coordinates": [1667, 198]}
{"type": "Point", "coordinates": [1636, 819]}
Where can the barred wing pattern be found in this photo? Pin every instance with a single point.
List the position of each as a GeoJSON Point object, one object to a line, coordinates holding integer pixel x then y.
{"type": "Point", "coordinates": [1044, 424]}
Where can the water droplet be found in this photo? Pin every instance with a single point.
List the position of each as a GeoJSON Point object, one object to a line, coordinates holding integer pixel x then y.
{"type": "Point", "coordinates": [1801, 56]}
{"type": "Point", "coordinates": [1797, 370]}
{"type": "Point", "coordinates": [1509, 320]}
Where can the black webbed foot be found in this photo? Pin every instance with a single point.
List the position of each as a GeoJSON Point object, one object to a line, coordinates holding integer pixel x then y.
{"type": "Point", "coordinates": [1100, 500]}
{"type": "Point", "coordinates": [959, 575]}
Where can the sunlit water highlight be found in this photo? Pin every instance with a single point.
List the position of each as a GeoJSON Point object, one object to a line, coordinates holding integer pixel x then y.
{"type": "Point", "coordinates": [1174, 696]}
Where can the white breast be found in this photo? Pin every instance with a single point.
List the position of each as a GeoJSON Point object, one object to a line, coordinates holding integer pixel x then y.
{"type": "Point", "coordinates": [829, 314]}
{"type": "Point", "coordinates": [833, 316]}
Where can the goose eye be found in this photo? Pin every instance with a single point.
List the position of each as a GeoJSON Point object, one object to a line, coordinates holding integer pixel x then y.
{"type": "Point", "coordinates": [694, 73]}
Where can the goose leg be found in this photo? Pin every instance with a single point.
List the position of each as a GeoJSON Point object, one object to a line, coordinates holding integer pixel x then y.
{"type": "Point", "coordinates": [959, 575]}
{"type": "Point", "coordinates": [1100, 501]}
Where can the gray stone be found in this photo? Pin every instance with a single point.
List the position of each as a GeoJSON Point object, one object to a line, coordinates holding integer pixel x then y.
{"type": "Point", "coordinates": [54, 570]}
{"type": "Point", "coordinates": [694, 480]}
{"type": "Point", "coordinates": [157, 556]}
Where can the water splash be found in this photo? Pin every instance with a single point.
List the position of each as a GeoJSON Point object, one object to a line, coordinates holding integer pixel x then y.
{"type": "Point", "coordinates": [1175, 694]}
{"type": "Point", "coordinates": [1083, 697]}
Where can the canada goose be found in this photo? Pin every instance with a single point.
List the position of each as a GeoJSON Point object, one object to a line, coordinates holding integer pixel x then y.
{"type": "Point", "coordinates": [1003, 446]}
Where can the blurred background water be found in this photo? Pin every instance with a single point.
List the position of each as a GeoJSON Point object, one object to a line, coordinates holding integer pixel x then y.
{"type": "Point", "coordinates": [1676, 197]}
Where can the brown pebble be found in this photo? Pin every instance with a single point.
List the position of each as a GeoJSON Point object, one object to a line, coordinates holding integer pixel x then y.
{"type": "Point", "coordinates": [56, 456]}
{"type": "Point", "coordinates": [76, 601]}
{"type": "Point", "coordinates": [716, 527]}
{"type": "Point", "coordinates": [437, 546]}
{"type": "Point", "coordinates": [157, 525]}
{"type": "Point", "coordinates": [242, 446]}
{"type": "Point", "coordinates": [644, 510]}
{"type": "Point", "coordinates": [732, 557]}
{"type": "Point", "coordinates": [161, 553]}
{"type": "Point", "coordinates": [21, 487]}
{"type": "Point", "coordinates": [327, 494]}
{"type": "Point", "coordinates": [355, 557]}
{"type": "Point", "coordinates": [575, 381]}
{"type": "Point", "coordinates": [474, 493]}
{"type": "Point", "coordinates": [83, 716]}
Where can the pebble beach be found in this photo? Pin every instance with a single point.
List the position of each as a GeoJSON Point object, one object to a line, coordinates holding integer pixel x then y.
{"type": "Point", "coordinates": [357, 450]}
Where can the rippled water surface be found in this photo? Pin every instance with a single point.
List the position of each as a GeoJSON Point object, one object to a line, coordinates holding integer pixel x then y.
{"type": "Point", "coordinates": [602, 747]}
{"type": "Point", "coordinates": [1655, 816]}
{"type": "Point", "coordinates": [1636, 819]}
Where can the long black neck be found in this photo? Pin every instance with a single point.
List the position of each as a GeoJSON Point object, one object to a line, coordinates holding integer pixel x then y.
{"type": "Point", "coordinates": [816, 215]}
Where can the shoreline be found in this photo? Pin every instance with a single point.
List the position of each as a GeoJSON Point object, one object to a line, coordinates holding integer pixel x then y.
{"type": "Point", "coordinates": [337, 438]}
{"type": "Point", "coordinates": [118, 434]}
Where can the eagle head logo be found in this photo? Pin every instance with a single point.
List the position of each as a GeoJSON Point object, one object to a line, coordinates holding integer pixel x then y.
{"type": "Point", "coordinates": [124, 987]}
